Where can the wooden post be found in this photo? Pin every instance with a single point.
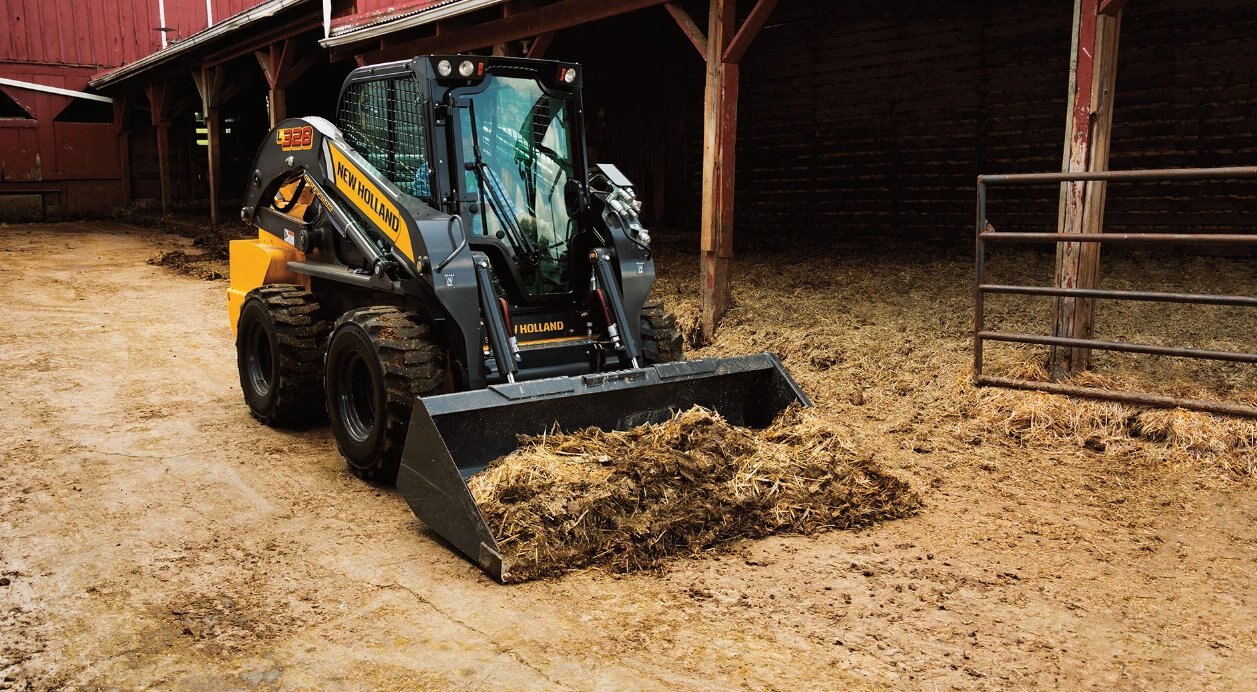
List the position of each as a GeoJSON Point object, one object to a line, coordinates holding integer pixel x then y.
{"type": "Point", "coordinates": [209, 83]}
{"type": "Point", "coordinates": [720, 122]}
{"type": "Point", "coordinates": [122, 128]}
{"type": "Point", "coordinates": [538, 46]}
{"type": "Point", "coordinates": [722, 48]}
{"type": "Point", "coordinates": [1092, 81]}
{"type": "Point", "coordinates": [159, 110]}
{"type": "Point", "coordinates": [278, 98]}
{"type": "Point", "coordinates": [281, 68]}
{"type": "Point", "coordinates": [274, 61]}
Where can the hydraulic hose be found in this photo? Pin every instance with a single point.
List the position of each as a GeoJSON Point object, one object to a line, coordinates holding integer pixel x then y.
{"type": "Point", "coordinates": [622, 335]}
{"type": "Point", "coordinates": [494, 320]}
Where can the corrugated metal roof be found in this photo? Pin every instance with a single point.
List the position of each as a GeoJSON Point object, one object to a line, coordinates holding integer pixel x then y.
{"type": "Point", "coordinates": [261, 11]}
{"type": "Point", "coordinates": [374, 25]}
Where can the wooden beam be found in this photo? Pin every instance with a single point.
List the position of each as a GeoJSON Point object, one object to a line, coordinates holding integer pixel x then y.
{"type": "Point", "coordinates": [539, 45]}
{"type": "Point", "coordinates": [720, 122]}
{"type": "Point", "coordinates": [276, 62]}
{"type": "Point", "coordinates": [750, 29]}
{"type": "Point", "coordinates": [122, 128]}
{"type": "Point", "coordinates": [209, 84]}
{"type": "Point", "coordinates": [282, 55]}
{"type": "Point", "coordinates": [1111, 8]}
{"type": "Point", "coordinates": [214, 153]}
{"type": "Point", "coordinates": [688, 27]}
{"type": "Point", "coordinates": [298, 68]}
{"type": "Point", "coordinates": [553, 17]}
{"type": "Point", "coordinates": [289, 30]}
{"type": "Point", "coordinates": [1092, 81]}
{"type": "Point", "coordinates": [158, 103]}
{"type": "Point", "coordinates": [517, 6]}
{"type": "Point", "coordinates": [158, 93]}
{"type": "Point", "coordinates": [277, 100]}
{"type": "Point", "coordinates": [264, 62]}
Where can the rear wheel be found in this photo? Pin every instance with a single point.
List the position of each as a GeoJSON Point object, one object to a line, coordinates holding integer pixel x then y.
{"type": "Point", "coordinates": [379, 359]}
{"type": "Point", "coordinates": [661, 340]}
{"type": "Point", "coordinates": [280, 342]}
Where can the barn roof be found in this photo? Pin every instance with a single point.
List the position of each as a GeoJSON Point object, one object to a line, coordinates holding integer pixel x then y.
{"type": "Point", "coordinates": [369, 25]}
{"type": "Point", "coordinates": [188, 46]}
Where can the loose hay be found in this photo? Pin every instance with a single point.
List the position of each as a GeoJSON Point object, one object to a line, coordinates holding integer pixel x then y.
{"type": "Point", "coordinates": [630, 500]}
{"type": "Point", "coordinates": [880, 336]}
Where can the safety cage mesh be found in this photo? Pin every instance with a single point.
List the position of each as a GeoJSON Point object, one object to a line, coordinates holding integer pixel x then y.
{"type": "Point", "coordinates": [383, 121]}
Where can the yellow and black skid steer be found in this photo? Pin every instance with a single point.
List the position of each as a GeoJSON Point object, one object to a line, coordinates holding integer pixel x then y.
{"type": "Point", "coordinates": [440, 271]}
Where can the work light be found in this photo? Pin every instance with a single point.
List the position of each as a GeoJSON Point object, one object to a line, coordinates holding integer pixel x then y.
{"type": "Point", "coordinates": [465, 68]}
{"type": "Point", "coordinates": [569, 75]}
{"type": "Point", "coordinates": [444, 68]}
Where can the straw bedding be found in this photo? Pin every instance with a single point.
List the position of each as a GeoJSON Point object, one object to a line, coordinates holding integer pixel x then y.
{"type": "Point", "coordinates": [630, 500]}
{"type": "Point", "coordinates": [881, 338]}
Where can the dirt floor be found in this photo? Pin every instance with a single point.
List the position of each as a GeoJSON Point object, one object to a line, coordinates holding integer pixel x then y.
{"type": "Point", "coordinates": [151, 533]}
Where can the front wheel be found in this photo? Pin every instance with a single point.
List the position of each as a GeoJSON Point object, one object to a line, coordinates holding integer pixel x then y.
{"type": "Point", "coordinates": [279, 352]}
{"type": "Point", "coordinates": [379, 359]}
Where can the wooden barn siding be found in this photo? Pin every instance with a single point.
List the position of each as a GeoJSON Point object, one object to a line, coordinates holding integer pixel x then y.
{"type": "Point", "coordinates": [106, 34]}
{"type": "Point", "coordinates": [874, 119]}
{"type": "Point", "coordinates": [79, 33]}
{"type": "Point", "coordinates": [225, 9]}
{"type": "Point", "coordinates": [1186, 96]}
{"type": "Point", "coordinates": [42, 149]}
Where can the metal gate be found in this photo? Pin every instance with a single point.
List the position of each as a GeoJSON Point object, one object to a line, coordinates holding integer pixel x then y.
{"type": "Point", "coordinates": [982, 288]}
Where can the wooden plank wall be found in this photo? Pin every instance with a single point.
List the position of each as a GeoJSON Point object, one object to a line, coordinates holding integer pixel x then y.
{"type": "Point", "coordinates": [1186, 96]}
{"type": "Point", "coordinates": [875, 118]}
{"type": "Point", "coordinates": [79, 33]}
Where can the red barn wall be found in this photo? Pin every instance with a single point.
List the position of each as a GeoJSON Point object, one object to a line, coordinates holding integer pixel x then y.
{"type": "Point", "coordinates": [50, 168]}
{"type": "Point", "coordinates": [72, 32]}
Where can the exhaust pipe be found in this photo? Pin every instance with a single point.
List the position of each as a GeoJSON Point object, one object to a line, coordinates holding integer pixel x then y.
{"type": "Point", "coordinates": [454, 436]}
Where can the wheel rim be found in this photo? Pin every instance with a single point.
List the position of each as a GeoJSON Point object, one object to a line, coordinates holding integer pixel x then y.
{"type": "Point", "coordinates": [356, 396]}
{"type": "Point", "coordinates": [261, 365]}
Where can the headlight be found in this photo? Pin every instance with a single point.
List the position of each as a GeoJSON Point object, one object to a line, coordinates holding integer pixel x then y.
{"type": "Point", "coordinates": [569, 75]}
{"type": "Point", "coordinates": [444, 68]}
{"type": "Point", "coordinates": [465, 68]}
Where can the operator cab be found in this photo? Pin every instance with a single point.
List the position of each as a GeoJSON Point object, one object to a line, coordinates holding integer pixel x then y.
{"type": "Point", "coordinates": [496, 141]}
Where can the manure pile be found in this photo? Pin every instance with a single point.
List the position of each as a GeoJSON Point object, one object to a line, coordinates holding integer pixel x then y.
{"type": "Point", "coordinates": [630, 500]}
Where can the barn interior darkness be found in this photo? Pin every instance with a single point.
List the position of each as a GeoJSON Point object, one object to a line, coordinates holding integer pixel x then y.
{"type": "Point", "coordinates": [245, 123]}
{"type": "Point", "coordinates": [873, 120]}
{"type": "Point", "coordinates": [861, 120]}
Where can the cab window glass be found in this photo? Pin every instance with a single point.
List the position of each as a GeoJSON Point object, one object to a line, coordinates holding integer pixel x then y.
{"type": "Point", "coordinates": [383, 121]}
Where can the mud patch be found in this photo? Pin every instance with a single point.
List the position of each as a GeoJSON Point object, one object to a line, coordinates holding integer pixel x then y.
{"type": "Point", "coordinates": [21, 644]}
{"type": "Point", "coordinates": [209, 259]}
{"type": "Point", "coordinates": [631, 500]}
{"type": "Point", "coordinates": [198, 265]}
{"type": "Point", "coordinates": [221, 623]}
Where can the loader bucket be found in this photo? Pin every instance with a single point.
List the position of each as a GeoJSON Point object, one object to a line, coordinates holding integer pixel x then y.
{"type": "Point", "coordinates": [454, 436]}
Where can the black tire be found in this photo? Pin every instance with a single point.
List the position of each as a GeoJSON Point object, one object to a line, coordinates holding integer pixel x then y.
{"type": "Point", "coordinates": [661, 340]}
{"type": "Point", "coordinates": [378, 360]}
{"type": "Point", "coordinates": [280, 341]}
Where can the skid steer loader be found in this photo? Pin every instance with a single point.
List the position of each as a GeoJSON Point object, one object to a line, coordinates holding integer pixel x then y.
{"type": "Point", "coordinates": [440, 271]}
